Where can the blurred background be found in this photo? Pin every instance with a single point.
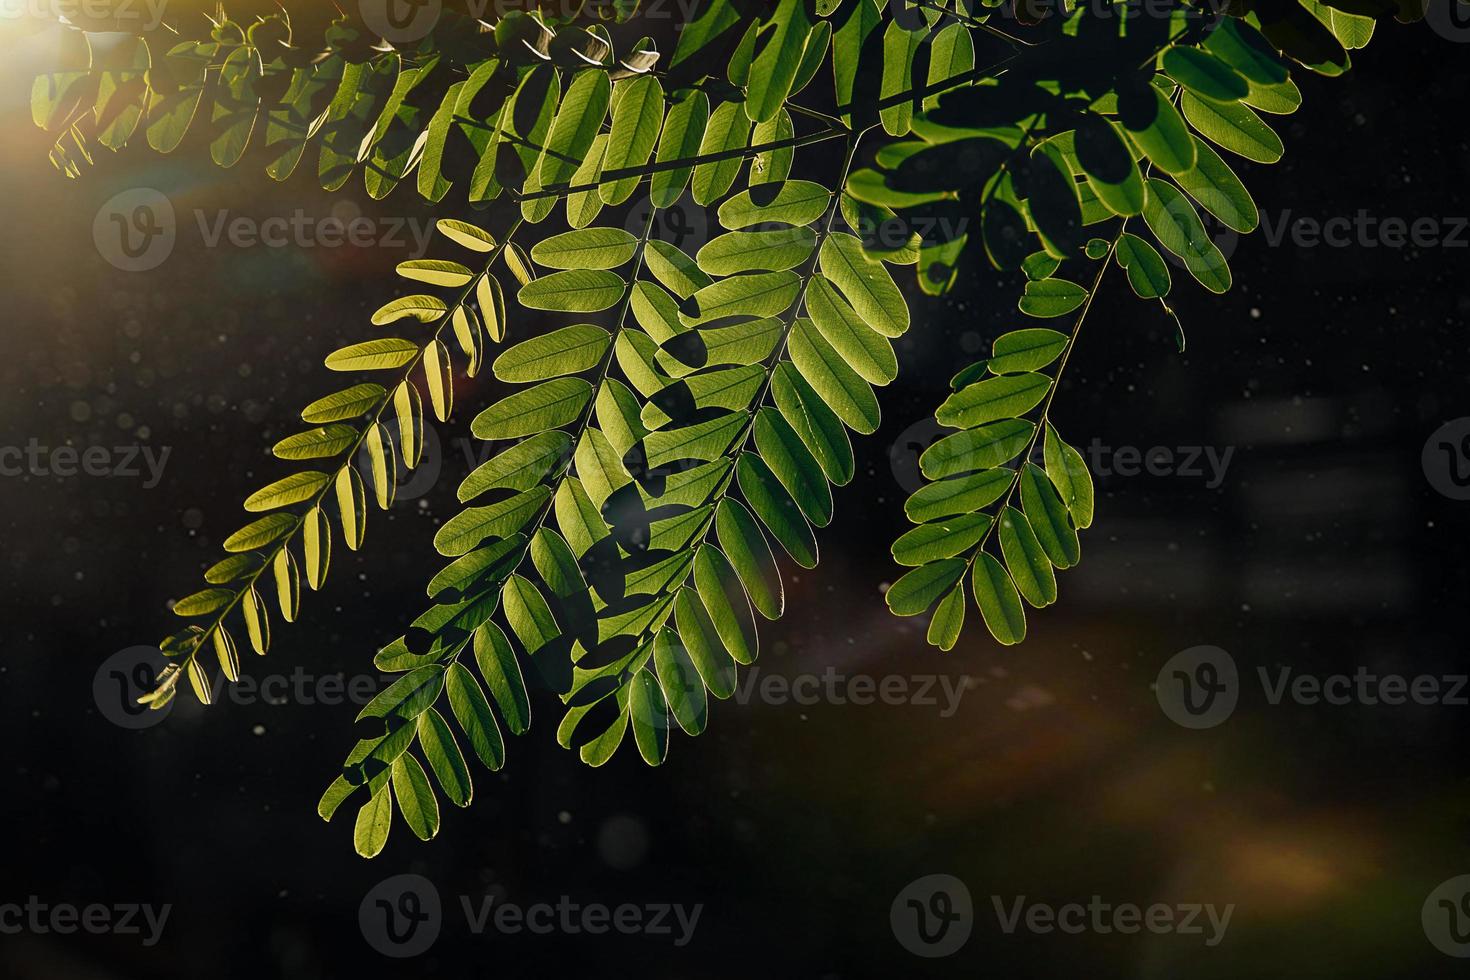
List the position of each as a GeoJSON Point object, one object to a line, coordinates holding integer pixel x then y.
{"type": "Point", "coordinates": [1310, 518]}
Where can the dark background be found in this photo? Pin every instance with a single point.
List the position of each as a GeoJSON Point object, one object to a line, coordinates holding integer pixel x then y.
{"type": "Point", "coordinates": [1325, 548]}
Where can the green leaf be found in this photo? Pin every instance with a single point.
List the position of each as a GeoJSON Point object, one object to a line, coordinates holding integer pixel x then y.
{"type": "Point", "coordinates": [683, 689]}
{"type": "Point", "coordinates": [758, 294]}
{"type": "Point", "coordinates": [587, 248]}
{"type": "Point", "coordinates": [406, 698]}
{"type": "Point", "coordinates": [1164, 139]}
{"type": "Point", "coordinates": [203, 602]}
{"type": "Point", "coordinates": [683, 130]}
{"type": "Point", "coordinates": [819, 427]}
{"type": "Point", "coordinates": [917, 590]}
{"type": "Point", "coordinates": [866, 284]}
{"type": "Point", "coordinates": [1178, 228]}
{"type": "Point", "coordinates": [1111, 170]}
{"type": "Point", "coordinates": [843, 390]}
{"type": "Point", "coordinates": [949, 620]}
{"type": "Point", "coordinates": [1045, 298]}
{"type": "Point", "coordinates": [484, 567]}
{"type": "Point", "coordinates": [573, 291]}
{"type": "Point", "coordinates": [957, 495]}
{"type": "Point", "coordinates": [1147, 273]}
{"type": "Point", "coordinates": [704, 441]}
{"type": "Point", "coordinates": [1235, 127]}
{"type": "Point", "coordinates": [382, 354]}
{"type": "Point", "coordinates": [472, 711]}
{"type": "Point", "coordinates": [900, 47]}
{"type": "Point", "coordinates": [529, 616]}
{"type": "Point", "coordinates": [464, 531]}
{"type": "Point", "coordinates": [727, 627]}
{"type": "Point", "coordinates": [287, 491]}
{"type": "Point", "coordinates": [648, 716]}
{"type": "Point", "coordinates": [498, 665]}
{"type": "Point", "coordinates": [756, 251]}
{"type": "Point", "coordinates": [727, 131]}
{"type": "Point", "coordinates": [776, 508]}
{"type": "Point", "coordinates": [976, 449]}
{"type": "Point", "coordinates": [791, 202]}
{"type": "Point", "coordinates": [260, 533]}
{"type": "Point", "coordinates": [999, 604]}
{"type": "Point", "coordinates": [1214, 185]}
{"type": "Point", "coordinates": [638, 112]}
{"type": "Point", "coordinates": [1246, 50]}
{"type": "Point", "coordinates": [1030, 570]}
{"type": "Point", "coordinates": [793, 464]}
{"type": "Point", "coordinates": [520, 467]}
{"type": "Point", "coordinates": [370, 833]}
{"type": "Point", "coordinates": [424, 308]}
{"type": "Point", "coordinates": [568, 350]}
{"type": "Point", "coordinates": [1068, 473]}
{"type": "Point", "coordinates": [994, 398]}
{"type": "Point", "coordinates": [1204, 74]}
{"type": "Point", "coordinates": [676, 271]}
{"type": "Point", "coordinates": [415, 797]}
{"type": "Point", "coordinates": [445, 758]}
{"type": "Point", "coordinates": [545, 406]}
{"type": "Point", "coordinates": [578, 118]}
{"type": "Point", "coordinates": [773, 73]}
{"type": "Point", "coordinates": [435, 272]}
{"type": "Point", "coordinates": [349, 403]}
{"type": "Point", "coordinates": [466, 235]}
{"type": "Point", "coordinates": [865, 350]}
{"type": "Point", "coordinates": [1030, 349]}
{"type": "Point", "coordinates": [1048, 517]}
{"type": "Point", "coordinates": [941, 539]}
{"type": "Point", "coordinates": [746, 548]}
